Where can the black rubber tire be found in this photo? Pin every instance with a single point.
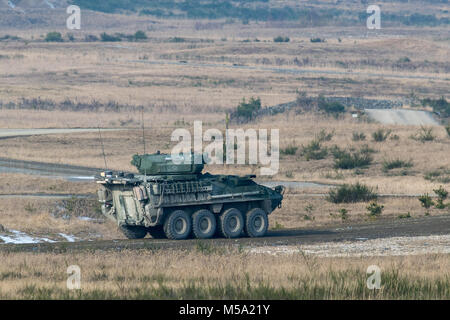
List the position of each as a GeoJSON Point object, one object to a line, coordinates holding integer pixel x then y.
{"type": "Point", "coordinates": [199, 229]}
{"type": "Point", "coordinates": [231, 223]}
{"type": "Point", "coordinates": [156, 232]}
{"type": "Point", "coordinates": [134, 232]}
{"type": "Point", "coordinates": [178, 225]}
{"type": "Point", "coordinates": [256, 223]}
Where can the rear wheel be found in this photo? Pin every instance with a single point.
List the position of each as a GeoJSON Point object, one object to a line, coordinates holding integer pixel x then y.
{"type": "Point", "coordinates": [231, 223]}
{"type": "Point", "coordinates": [256, 223]}
{"type": "Point", "coordinates": [156, 232]}
{"type": "Point", "coordinates": [177, 225]}
{"type": "Point", "coordinates": [134, 232]}
{"type": "Point", "coordinates": [203, 224]}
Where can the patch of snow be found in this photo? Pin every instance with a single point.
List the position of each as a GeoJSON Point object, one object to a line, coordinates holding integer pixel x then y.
{"type": "Point", "coordinates": [69, 238]}
{"type": "Point", "coordinates": [89, 219]}
{"type": "Point", "coordinates": [18, 237]}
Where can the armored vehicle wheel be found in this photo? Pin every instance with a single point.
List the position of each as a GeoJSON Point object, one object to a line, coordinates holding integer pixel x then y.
{"type": "Point", "coordinates": [203, 224]}
{"type": "Point", "coordinates": [133, 232]}
{"type": "Point", "coordinates": [256, 223]}
{"type": "Point", "coordinates": [156, 232]}
{"type": "Point", "coordinates": [231, 223]}
{"type": "Point", "coordinates": [178, 225]}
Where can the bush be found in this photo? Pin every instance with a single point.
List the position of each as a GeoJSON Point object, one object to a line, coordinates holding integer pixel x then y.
{"type": "Point", "coordinates": [90, 38]}
{"type": "Point", "coordinates": [314, 151]}
{"type": "Point", "coordinates": [324, 135]}
{"type": "Point", "coordinates": [281, 39]}
{"type": "Point", "coordinates": [381, 135]}
{"type": "Point", "coordinates": [440, 106]}
{"type": "Point", "coordinates": [395, 164]}
{"type": "Point", "coordinates": [441, 175]}
{"type": "Point", "coordinates": [54, 37]}
{"type": "Point", "coordinates": [447, 129]}
{"type": "Point", "coordinates": [342, 214]}
{"type": "Point", "coordinates": [140, 35]}
{"type": "Point", "coordinates": [289, 150]}
{"type": "Point", "coordinates": [351, 193]}
{"type": "Point", "coordinates": [332, 107]}
{"type": "Point", "coordinates": [177, 39]}
{"type": "Point", "coordinates": [350, 160]}
{"type": "Point", "coordinates": [358, 136]}
{"type": "Point", "coordinates": [424, 134]}
{"type": "Point", "coordinates": [109, 38]}
{"type": "Point", "coordinates": [247, 111]}
{"type": "Point", "coordinates": [426, 201]}
{"type": "Point", "coordinates": [315, 40]}
{"type": "Point", "coordinates": [442, 195]}
{"type": "Point", "coordinates": [374, 209]}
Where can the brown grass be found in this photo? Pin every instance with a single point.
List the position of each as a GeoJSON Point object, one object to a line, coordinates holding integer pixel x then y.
{"type": "Point", "coordinates": [219, 274]}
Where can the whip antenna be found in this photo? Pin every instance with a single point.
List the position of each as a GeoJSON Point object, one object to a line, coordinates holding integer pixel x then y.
{"type": "Point", "coordinates": [143, 131]}
{"type": "Point", "coordinates": [103, 148]}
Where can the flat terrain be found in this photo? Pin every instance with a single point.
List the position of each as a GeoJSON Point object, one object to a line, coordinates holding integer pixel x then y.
{"type": "Point", "coordinates": [438, 225]}
{"type": "Point", "coordinates": [55, 95]}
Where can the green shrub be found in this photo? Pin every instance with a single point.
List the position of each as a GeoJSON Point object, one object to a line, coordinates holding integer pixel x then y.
{"type": "Point", "coordinates": [381, 135]}
{"type": "Point", "coordinates": [177, 39]}
{"type": "Point", "coordinates": [315, 40]}
{"type": "Point", "coordinates": [442, 195]}
{"type": "Point", "coordinates": [109, 38]}
{"type": "Point", "coordinates": [351, 159]}
{"type": "Point", "coordinates": [247, 110]}
{"type": "Point", "coordinates": [347, 193]}
{"type": "Point", "coordinates": [374, 209]}
{"type": "Point", "coordinates": [426, 201]}
{"type": "Point", "coordinates": [342, 214]}
{"type": "Point", "coordinates": [54, 37]}
{"type": "Point", "coordinates": [424, 134]}
{"type": "Point", "coordinates": [281, 39]}
{"type": "Point", "coordinates": [323, 135]}
{"type": "Point", "coordinates": [441, 175]}
{"type": "Point", "coordinates": [358, 136]}
{"type": "Point", "coordinates": [314, 151]}
{"type": "Point", "coordinates": [140, 35]}
{"type": "Point", "coordinates": [332, 107]}
{"type": "Point", "coordinates": [395, 164]}
{"type": "Point", "coordinates": [440, 106]}
{"type": "Point", "coordinates": [289, 150]}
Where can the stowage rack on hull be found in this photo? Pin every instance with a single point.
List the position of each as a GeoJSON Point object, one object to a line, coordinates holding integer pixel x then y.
{"type": "Point", "coordinates": [177, 201]}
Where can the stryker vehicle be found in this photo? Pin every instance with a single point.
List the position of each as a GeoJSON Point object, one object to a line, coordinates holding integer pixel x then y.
{"type": "Point", "coordinates": [177, 201]}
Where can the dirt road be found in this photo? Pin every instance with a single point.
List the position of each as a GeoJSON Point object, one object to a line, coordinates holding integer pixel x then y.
{"type": "Point", "coordinates": [412, 227]}
{"type": "Point", "coordinates": [11, 133]}
{"type": "Point", "coordinates": [402, 117]}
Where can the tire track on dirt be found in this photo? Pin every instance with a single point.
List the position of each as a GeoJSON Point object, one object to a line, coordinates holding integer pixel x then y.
{"type": "Point", "coordinates": [413, 227]}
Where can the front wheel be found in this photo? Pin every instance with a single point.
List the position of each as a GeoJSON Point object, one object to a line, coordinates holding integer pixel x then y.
{"type": "Point", "coordinates": [231, 223]}
{"type": "Point", "coordinates": [177, 225]}
{"type": "Point", "coordinates": [256, 223]}
{"type": "Point", "coordinates": [134, 232]}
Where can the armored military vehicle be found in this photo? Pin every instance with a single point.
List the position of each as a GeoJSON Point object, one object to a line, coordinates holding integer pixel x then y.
{"type": "Point", "coordinates": [177, 201]}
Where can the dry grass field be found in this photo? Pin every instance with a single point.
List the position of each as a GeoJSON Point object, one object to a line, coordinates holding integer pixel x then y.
{"type": "Point", "coordinates": [219, 273]}
{"type": "Point", "coordinates": [198, 70]}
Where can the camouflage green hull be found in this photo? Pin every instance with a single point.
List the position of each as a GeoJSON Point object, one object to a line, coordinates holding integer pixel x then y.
{"type": "Point", "coordinates": [185, 205]}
